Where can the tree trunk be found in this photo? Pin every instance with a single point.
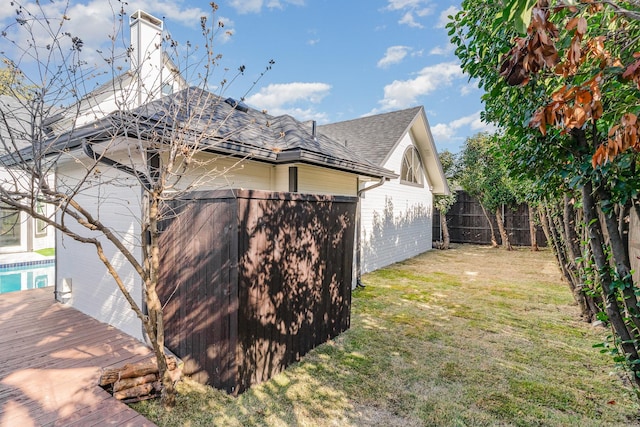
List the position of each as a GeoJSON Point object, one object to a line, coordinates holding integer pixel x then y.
{"type": "Point", "coordinates": [506, 243]}
{"type": "Point", "coordinates": [446, 240]}
{"type": "Point", "coordinates": [532, 229]}
{"type": "Point", "coordinates": [545, 223]}
{"type": "Point", "coordinates": [569, 267]}
{"type": "Point", "coordinates": [576, 258]}
{"type": "Point", "coordinates": [612, 308]}
{"type": "Point", "coordinates": [154, 306]}
{"type": "Point", "coordinates": [494, 242]}
{"type": "Point", "coordinates": [620, 251]}
{"type": "Point", "coordinates": [559, 249]}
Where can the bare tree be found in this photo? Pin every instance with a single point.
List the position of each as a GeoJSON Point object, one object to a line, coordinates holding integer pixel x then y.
{"type": "Point", "coordinates": [87, 138]}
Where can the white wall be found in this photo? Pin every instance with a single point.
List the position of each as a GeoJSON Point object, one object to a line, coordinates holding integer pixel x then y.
{"type": "Point", "coordinates": [396, 218]}
{"type": "Point", "coordinates": [115, 199]}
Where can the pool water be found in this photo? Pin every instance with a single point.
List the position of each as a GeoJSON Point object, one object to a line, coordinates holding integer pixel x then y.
{"type": "Point", "coordinates": [19, 278]}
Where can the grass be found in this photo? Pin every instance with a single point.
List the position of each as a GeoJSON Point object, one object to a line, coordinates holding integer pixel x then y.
{"type": "Point", "coordinates": [46, 252]}
{"type": "Point", "coordinates": [472, 336]}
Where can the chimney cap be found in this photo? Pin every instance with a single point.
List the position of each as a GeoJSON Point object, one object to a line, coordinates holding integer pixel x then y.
{"type": "Point", "coordinates": [144, 16]}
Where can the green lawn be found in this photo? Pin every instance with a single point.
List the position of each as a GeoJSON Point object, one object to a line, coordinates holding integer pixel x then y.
{"type": "Point", "coordinates": [467, 337]}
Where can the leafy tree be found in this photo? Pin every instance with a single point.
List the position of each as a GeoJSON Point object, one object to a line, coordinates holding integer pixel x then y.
{"type": "Point", "coordinates": [559, 92]}
{"type": "Point", "coordinates": [444, 202]}
{"type": "Point", "coordinates": [12, 82]}
{"type": "Point", "coordinates": [483, 176]}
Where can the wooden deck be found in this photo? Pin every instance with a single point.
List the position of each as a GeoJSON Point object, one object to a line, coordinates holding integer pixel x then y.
{"type": "Point", "coordinates": [50, 361]}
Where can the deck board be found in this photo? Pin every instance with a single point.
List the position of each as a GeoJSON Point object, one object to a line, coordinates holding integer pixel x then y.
{"type": "Point", "coordinates": [50, 361]}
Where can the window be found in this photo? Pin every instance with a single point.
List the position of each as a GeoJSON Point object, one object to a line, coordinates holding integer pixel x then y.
{"type": "Point", "coordinates": [411, 170]}
{"type": "Point", "coordinates": [9, 226]}
{"type": "Point", "coordinates": [41, 226]}
{"type": "Point", "coordinates": [293, 179]}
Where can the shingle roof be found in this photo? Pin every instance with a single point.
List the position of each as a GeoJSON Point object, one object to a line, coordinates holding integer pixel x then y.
{"type": "Point", "coordinates": [372, 137]}
{"type": "Point", "coordinates": [221, 128]}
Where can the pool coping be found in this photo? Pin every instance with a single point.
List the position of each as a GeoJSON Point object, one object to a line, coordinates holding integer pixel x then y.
{"type": "Point", "coordinates": [40, 262]}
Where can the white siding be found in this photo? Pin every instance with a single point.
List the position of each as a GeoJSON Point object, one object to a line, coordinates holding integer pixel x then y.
{"type": "Point", "coordinates": [115, 199]}
{"type": "Point", "coordinates": [396, 218]}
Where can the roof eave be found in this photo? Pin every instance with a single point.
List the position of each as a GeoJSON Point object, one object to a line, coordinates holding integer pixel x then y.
{"type": "Point", "coordinates": [305, 156]}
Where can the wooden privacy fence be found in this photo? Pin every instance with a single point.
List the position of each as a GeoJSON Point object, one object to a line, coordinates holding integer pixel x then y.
{"type": "Point", "coordinates": [252, 280]}
{"type": "Point", "coordinates": [467, 223]}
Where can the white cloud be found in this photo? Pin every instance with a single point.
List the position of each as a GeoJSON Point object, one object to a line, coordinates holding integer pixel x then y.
{"type": "Point", "coordinates": [393, 55]}
{"type": "Point", "coordinates": [95, 21]}
{"type": "Point", "coordinates": [410, 9]}
{"type": "Point", "coordinates": [443, 20]}
{"type": "Point", "coordinates": [442, 50]}
{"type": "Point", "coordinates": [443, 132]}
{"type": "Point", "coordinates": [246, 6]}
{"type": "Point", "coordinates": [404, 93]}
{"type": "Point", "coordinates": [409, 20]}
{"type": "Point", "coordinates": [291, 98]}
{"type": "Point", "coordinates": [468, 88]}
{"type": "Point", "coordinates": [255, 6]}
{"type": "Point", "coordinates": [406, 4]}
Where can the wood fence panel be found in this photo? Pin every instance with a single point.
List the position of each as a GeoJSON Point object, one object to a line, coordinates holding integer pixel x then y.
{"type": "Point", "coordinates": [198, 262]}
{"type": "Point", "coordinates": [468, 224]}
{"type": "Point", "coordinates": [251, 281]}
{"type": "Point", "coordinates": [294, 290]}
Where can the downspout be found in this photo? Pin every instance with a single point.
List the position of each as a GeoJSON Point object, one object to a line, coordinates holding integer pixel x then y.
{"type": "Point", "coordinates": [359, 230]}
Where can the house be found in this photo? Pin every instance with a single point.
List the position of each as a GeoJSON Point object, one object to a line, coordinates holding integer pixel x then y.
{"type": "Point", "coordinates": [395, 218]}
{"type": "Point", "coordinates": [241, 148]}
{"type": "Point", "coordinates": [305, 182]}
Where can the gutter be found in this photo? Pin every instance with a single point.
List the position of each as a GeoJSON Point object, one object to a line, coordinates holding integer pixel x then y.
{"type": "Point", "coordinates": [86, 147]}
{"type": "Point", "coordinates": [358, 230]}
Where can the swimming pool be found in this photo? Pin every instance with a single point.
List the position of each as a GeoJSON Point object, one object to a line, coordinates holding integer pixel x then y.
{"type": "Point", "coordinates": [21, 276]}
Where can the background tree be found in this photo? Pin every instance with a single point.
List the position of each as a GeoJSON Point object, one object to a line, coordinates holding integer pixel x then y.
{"type": "Point", "coordinates": [12, 82]}
{"type": "Point", "coordinates": [483, 176]}
{"type": "Point", "coordinates": [444, 202]}
{"type": "Point", "coordinates": [163, 159]}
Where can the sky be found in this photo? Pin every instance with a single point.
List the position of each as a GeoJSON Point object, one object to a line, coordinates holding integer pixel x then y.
{"type": "Point", "coordinates": [334, 60]}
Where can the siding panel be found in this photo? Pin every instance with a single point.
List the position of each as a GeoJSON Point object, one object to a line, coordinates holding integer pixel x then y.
{"type": "Point", "coordinates": [396, 218]}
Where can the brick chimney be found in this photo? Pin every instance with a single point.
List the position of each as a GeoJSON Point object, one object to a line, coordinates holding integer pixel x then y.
{"type": "Point", "coordinates": [146, 55]}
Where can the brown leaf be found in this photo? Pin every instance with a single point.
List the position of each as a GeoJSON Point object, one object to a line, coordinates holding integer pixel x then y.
{"type": "Point", "coordinates": [613, 130]}
{"type": "Point", "coordinates": [579, 116]}
{"type": "Point", "coordinates": [631, 70]}
{"type": "Point", "coordinates": [597, 110]}
{"type": "Point", "coordinates": [573, 23]}
{"type": "Point", "coordinates": [582, 26]}
{"type": "Point", "coordinates": [629, 119]}
{"type": "Point", "coordinates": [583, 97]}
{"type": "Point", "coordinates": [539, 120]}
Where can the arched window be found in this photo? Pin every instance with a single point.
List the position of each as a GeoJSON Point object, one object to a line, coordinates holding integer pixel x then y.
{"type": "Point", "coordinates": [411, 170]}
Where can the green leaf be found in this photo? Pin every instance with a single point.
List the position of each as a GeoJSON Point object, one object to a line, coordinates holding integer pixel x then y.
{"type": "Point", "coordinates": [519, 11]}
